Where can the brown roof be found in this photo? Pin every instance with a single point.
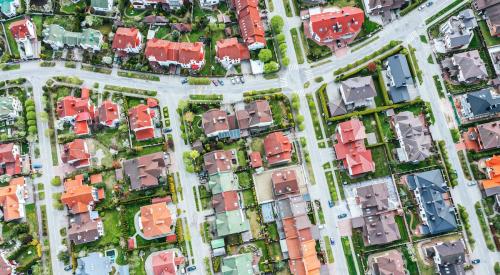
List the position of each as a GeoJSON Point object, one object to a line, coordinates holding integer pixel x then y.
{"type": "Point", "coordinates": [82, 229]}
{"type": "Point", "coordinates": [373, 198]}
{"type": "Point", "coordinates": [284, 183]}
{"type": "Point", "coordinates": [483, 4]}
{"type": "Point", "coordinates": [390, 263]}
{"type": "Point", "coordinates": [255, 113]}
{"type": "Point", "coordinates": [489, 135]}
{"type": "Point", "coordinates": [214, 121]}
{"type": "Point", "coordinates": [380, 229]}
{"type": "Point", "coordinates": [146, 170]}
{"type": "Point", "coordinates": [225, 201]}
{"type": "Point", "coordinates": [218, 161]}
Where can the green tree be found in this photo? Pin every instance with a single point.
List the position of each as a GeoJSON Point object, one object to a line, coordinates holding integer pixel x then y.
{"type": "Point", "coordinates": [285, 61]}
{"type": "Point", "coordinates": [56, 181]}
{"type": "Point", "coordinates": [193, 154]}
{"type": "Point", "coordinates": [277, 23]}
{"type": "Point", "coordinates": [280, 38]}
{"type": "Point", "coordinates": [189, 117]}
{"type": "Point", "coordinates": [31, 115]}
{"type": "Point", "coordinates": [497, 268]}
{"type": "Point", "coordinates": [265, 55]}
{"type": "Point", "coordinates": [271, 67]}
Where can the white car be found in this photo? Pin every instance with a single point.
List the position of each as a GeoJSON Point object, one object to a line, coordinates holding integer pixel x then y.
{"type": "Point", "coordinates": [421, 7]}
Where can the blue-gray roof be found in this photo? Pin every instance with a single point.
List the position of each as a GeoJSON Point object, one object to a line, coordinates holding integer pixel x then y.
{"type": "Point", "coordinates": [94, 264]}
{"type": "Point", "coordinates": [399, 94]}
{"type": "Point", "coordinates": [482, 102]}
{"type": "Point", "coordinates": [431, 186]}
{"type": "Point", "coordinates": [400, 71]}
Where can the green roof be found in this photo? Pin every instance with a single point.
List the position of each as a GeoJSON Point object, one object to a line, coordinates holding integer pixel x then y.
{"type": "Point", "coordinates": [217, 243]}
{"type": "Point", "coordinates": [5, 5]}
{"type": "Point", "coordinates": [231, 222]}
{"type": "Point", "coordinates": [6, 106]}
{"type": "Point", "coordinates": [103, 4]}
{"type": "Point", "coordinates": [58, 35]}
{"type": "Point", "coordinates": [223, 182]}
{"type": "Point", "coordinates": [237, 265]}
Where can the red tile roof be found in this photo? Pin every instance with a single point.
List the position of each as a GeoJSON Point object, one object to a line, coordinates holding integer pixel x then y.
{"type": "Point", "coordinates": [166, 263]}
{"type": "Point", "coordinates": [76, 153]}
{"type": "Point", "coordinates": [96, 178]}
{"type": "Point", "coordinates": [109, 113]}
{"type": "Point", "coordinates": [156, 220]}
{"type": "Point", "coordinates": [249, 20]}
{"type": "Point", "coordinates": [10, 160]}
{"type": "Point", "coordinates": [232, 49]}
{"type": "Point", "coordinates": [181, 52]}
{"type": "Point", "coordinates": [20, 30]}
{"type": "Point", "coordinates": [152, 103]}
{"type": "Point", "coordinates": [141, 122]}
{"type": "Point", "coordinates": [126, 38]}
{"type": "Point", "coordinates": [331, 26]}
{"type": "Point", "coordinates": [225, 201]}
{"type": "Point", "coordinates": [278, 148]}
{"type": "Point", "coordinates": [218, 161]}
{"type": "Point", "coordinates": [81, 109]}
{"type": "Point", "coordinates": [350, 147]}
{"type": "Point", "coordinates": [255, 160]}
{"type": "Point", "coordinates": [77, 196]}
{"type": "Point", "coordinates": [10, 197]}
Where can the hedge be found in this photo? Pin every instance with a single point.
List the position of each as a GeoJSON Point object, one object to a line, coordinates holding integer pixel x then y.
{"type": "Point", "coordinates": [323, 98]}
{"type": "Point", "coordinates": [383, 89]}
{"type": "Point", "coordinates": [262, 92]}
{"type": "Point", "coordinates": [411, 7]}
{"type": "Point", "coordinates": [130, 90]}
{"type": "Point", "coordinates": [374, 110]}
{"type": "Point", "coordinates": [207, 97]}
{"type": "Point", "coordinates": [198, 81]}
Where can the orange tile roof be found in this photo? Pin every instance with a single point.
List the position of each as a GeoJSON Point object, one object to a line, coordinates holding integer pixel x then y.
{"type": "Point", "coordinates": [278, 148]}
{"type": "Point", "coordinates": [328, 25]}
{"type": "Point", "coordinates": [492, 185]}
{"type": "Point", "coordinates": [141, 122]}
{"type": "Point", "coordinates": [9, 199]}
{"type": "Point", "coordinates": [10, 159]}
{"type": "Point", "coordinates": [232, 48]}
{"type": "Point", "coordinates": [181, 52]}
{"type": "Point", "coordinates": [156, 220]}
{"type": "Point", "coordinates": [76, 153]}
{"type": "Point", "coordinates": [108, 113]}
{"type": "Point", "coordinates": [126, 38]}
{"type": "Point", "coordinates": [77, 196]}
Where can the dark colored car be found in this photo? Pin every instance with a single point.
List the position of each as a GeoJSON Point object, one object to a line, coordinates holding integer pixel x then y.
{"type": "Point", "coordinates": [215, 83]}
{"type": "Point", "coordinates": [241, 79]}
{"type": "Point", "coordinates": [341, 216]}
{"type": "Point", "coordinates": [330, 204]}
{"type": "Point", "coordinates": [475, 261]}
{"type": "Point", "coordinates": [191, 268]}
{"type": "Point", "coordinates": [221, 82]}
{"type": "Point", "coordinates": [184, 81]}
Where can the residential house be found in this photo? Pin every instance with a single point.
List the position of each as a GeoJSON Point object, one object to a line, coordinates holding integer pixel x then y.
{"type": "Point", "coordinates": [24, 32]}
{"type": "Point", "coordinates": [13, 199]}
{"type": "Point", "coordinates": [225, 201]}
{"type": "Point", "coordinates": [255, 160]}
{"type": "Point", "coordinates": [155, 20]}
{"type": "Point", "coordinates": [479, 104]}
{"type": "Point", "coordinates": [239, 264]}
{"type": "Point", "coordinates": [166, 262]}
{"type": "Point", "coordinates": [156, 220]}
{"type": "Point", "coordinates": [230, 52]}
{"type": "Point", "coordinates": [185, 54]}
{"type": "Point", "coordinates": [165, 4]}
{"type": "Point", "coordinates": [102, 5]}
{"type": "Point", "coordinates": [141, 122]}
{"type": "Point", "coordinates": [458, 30]}
{"type": "Point", "coordinates": [214, 122]}
{"type": "Point", "coordinates": [127, 40]}
{"type": "Point", "coordinates": [6, 267]}
{"type": "Point", "coordinates": [257, 115]}
{"type": "Point", "coordinates": [223, 182]}
{"type": "Point", "coordinates": [377, 220]}
{"type": "Point", "coordinates": [491, 186]}
{"type": "Point", "coordinates": [251, 27]}
{"type": "Point", "coordinates": [219, 161]}
{"type": "Point", "coordinates": [400, 78]}
{"type": "Point", "coordinates": [449, 257]}
{"type": "Point", "coordinates": [358, 92]}
{"type": "Point", "coordinates": [350, 148]}
{"type": "Point", "coordinates": [384, 7]}
{"type": "Point", "coordinates": [333, 27]}
{"type": "Point", "coordinates": [208, 4]}
{"type": "Point", "coordinates": [413, 135]}
{"type": "Point", "coordinates": [79, 112]}
{"type": "Point", "coordinates": [231, 222]}
{"type": "Point", "coordinates": [80, 197]}
{"type": "Point", "coordinates": [57, 37]}
{"type": "Point", "coordinates": [10, 109]}
{"type": "Point", "coordinates": [285, 183]}
{"type": "Point", "coordinates": [94, 263]}
{"type": "Point", "coordinates": [10, 159]}
{"type": "Point", "coordinates": [388, 263]}
{"type": "Point", "coordinates": [85, 227]}
{"type": "Point", "coordinates": [76, 154]}
{"type": "Point", "coordinates": [145, 171]}
{"type": "Point", "coordinates": [490, 9]}
{"type": "Point", "coordinates": [466, 67]}
{"type": "Point", "coordinates": [108, 114]}
{"type": "Point", "coordinates": [486, 135]}
{"type": "Point", "coordinates": [9, 7]}
{"type": "Point", "coordinates": [431, 193]}
{"type": "Point", "coordinates": [278, 148]}
{"type": "Point", "coordinates": [181, 27]}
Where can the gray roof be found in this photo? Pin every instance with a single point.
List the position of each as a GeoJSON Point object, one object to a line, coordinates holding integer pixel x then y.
{"type": "Point", "coordinates": [432, 187]}
{"type": "Point", "coordinates": [7, 107]}
{"type": "Point", "coordinates": [399, 94]}
{"type": "Point", "coordinates": [458, 30]}
{"type": "Point", "coordinates": [102, 4]}
{"type": "Point", "coordinates": [493, 18]}
{"type": "Point", "coordinates": [94, 264]}
{"type": "Point", "coordinates": [373, 198]}
{"type": "Point", "coordinates": [489, 134]}
{"type": "Point", "coordinates": [452, 255]}
{"type": "Point", "coordinates": [337, 108]}
{"type": "Point", "coordinates": [416, 138]}
{"type": "Point", "coordinates": [483, 4]}
{"type": "Point", "coordinates": [470, 65]}
{"type": "Point", "coordinates": [400, 71]}
{"type": "Point", "coordinates": [385, 5]}
{"type": "Point", "coordinates": [483, 102]}
{"type": "Point", "coordinates": [380, 229]}
{"type": "Point", "coordinates": [83, 229]}
{"type": "Point", "coordinates": [358, 88]}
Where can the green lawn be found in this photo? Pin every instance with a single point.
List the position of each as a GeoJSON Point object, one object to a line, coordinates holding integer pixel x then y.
{"type": "Point", "coordinates": [242, 158]}
{"type": "Point", "coordinates": [348, 255]}
{"type": "Point", "coordinates": [11, 40]}
{"type": "Point", "coordinates": [288, 8]}
{"type": "Point", "coordinates": [245, 179]}
{"type": "Point", "coordinates": [331, 186]}
{"type": "Point", "coordinates": [490, 41]}
{"type": "Point", "coordinates": [73, 8]}
{"type": "Point", "coordinates": [296, 46]}
{"type": "Point", "coordinates": [381, 167]}
{"type": "Point", "coordinates": [329, 251]}
{"type": "Point", "coordinates": [314, 116]}
{"type": "Point", "coordinates": [248, 198]}
{"type": "Point", "coordinates": [32, 218]}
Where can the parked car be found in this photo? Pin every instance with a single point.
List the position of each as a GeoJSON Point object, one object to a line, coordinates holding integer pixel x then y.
{"type": "Point", "coordinates": [233, 81]}
{"type": "Point", "coordinates": [241, 79]}
{"type": "Point", "coordinates": [37, 165]}
{"type": "Point", "coordinates": [421, 7]}
{"type": "Point", "coordinates": [167, 130]}
{"type": "Point", "coordinates": [471, 183]}
{"type": "Point", "coordinates": [237, 80]}
{"type": "Point", "coordinates": [215, 83]}
{"type": "Point", "coordinates": [191, 268]}
{"type": "Point", "coordinates": [429, 3]}
{"type": "Point", "coordinates": [330, 203]}
{"type": "Point", "coordinates": [475, 261]}
{"type": "Point", "coordinates": [332, 241]}
{"type": "Point", "coordinates": [184, 81]}
{"type": "Point", "coordinates": [221, 82]}
{"type": "Point", "coordinates": [67, 268]}
{"type": "Point", "coordinates": [341, 216]}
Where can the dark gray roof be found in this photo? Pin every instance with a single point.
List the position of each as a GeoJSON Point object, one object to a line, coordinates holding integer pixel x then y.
{"type": "Point", "coordinates": [399, 70]}
{"type": "Point", "coordinates": [415, 136]}
{"type": "Point", "coordinates": [459, 40]}
{"type": "Point", "coordinates": [337, 108]}
{"type": "Point", "coordinates": [385, 5]}
{"type": "Point", "coordinates": [399, 94]}
{"type": "Point", "coordinates": [452, 255]}
{"type": "Point", "coordinates": [380, 229]}
{"type": "Point", "coordinates": [358, 88]}
{"type": "Point", "coordinates": [431, 186]}
{"type": "Point", "coordinates": [482, 102]}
